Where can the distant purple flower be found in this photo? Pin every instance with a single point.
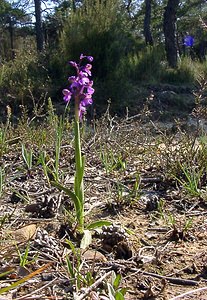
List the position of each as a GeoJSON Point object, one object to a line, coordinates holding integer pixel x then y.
{"type": "Point", "coordinates": [80, 85]}
{"type": "Point", "coordinates": [188, 41]}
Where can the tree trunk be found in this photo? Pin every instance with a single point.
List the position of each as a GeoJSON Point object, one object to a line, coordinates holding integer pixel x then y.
{"type": "Point", "coordinates": [11, 33]}
{"type": "Point", "coordinates": [147, 21]}
{"type": "Point", "coordinates": [38, 25]}
{"type": "Point", "coordinates": [169, 24]}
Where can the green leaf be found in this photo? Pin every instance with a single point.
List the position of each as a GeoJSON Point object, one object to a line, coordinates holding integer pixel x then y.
{"type": "Point", "coordinates": [70, 267]}
{"type": "Point", "coordinates": [98, 224]}
{"type": "Point", "coordinates": [77, 202]}
{"type": "Point", "coordinates": [72, 247]}
{"type": "Point", "coordinates": [119, 296]}
{"type": "Point", "coordinates": [4, 274]}
{"type": "Point", "coordinates": [86, 239]}
{"type": "Point", "coordinates": [89, 278]}
{"type": "Point", "coordinates": [117, 281]}
{"type": "Point", "coordinates": [129, 231]}
{"type": "Point", "coordinates": [79, 176]}
{"type": "Point", "coordinates": [123, 291]}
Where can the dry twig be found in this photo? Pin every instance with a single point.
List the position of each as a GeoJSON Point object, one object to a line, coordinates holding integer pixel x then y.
{"type": "Point", "coordinates": [93, 286]}
{"type": "Point", "coordinates": [189, 293]}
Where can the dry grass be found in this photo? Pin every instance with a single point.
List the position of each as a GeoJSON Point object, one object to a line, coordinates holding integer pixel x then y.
{"type": "Point", "coordinates": [136, 176]}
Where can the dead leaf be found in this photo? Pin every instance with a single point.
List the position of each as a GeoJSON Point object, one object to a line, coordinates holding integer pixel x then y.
{"type": "Point", "coordinates": [25, 233]}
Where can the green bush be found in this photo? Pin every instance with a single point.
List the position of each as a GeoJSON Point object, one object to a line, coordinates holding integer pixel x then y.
{"type": "Point", "coordinates": [144, 65]}
{"type": "Point", "coordinates": [99, 30]}
{"type": "Point", "coordinates": [23, 79]}
{"type": "Point", "coordinates": [185, 73]}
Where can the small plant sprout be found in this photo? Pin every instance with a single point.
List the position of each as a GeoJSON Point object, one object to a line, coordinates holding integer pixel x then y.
{"type": "Point", "coordinates": [191, 180]}
{"type": "Point", "coordinates": [43, 161]}
{"type": "Point", "coordinates": [136, 192]}
{"type": "Point", "coordinates": [58, 141]}
{"type": "Point", "coordinates": [4, 131]}
{"type": "Point", "coordinates": [52, 117]}
{"type": "Point", "coordinates": [74, 267]}
{"type": "Point", "coordinates": [27, 157]}
{"type": "Point", "coordinates": [180, 229]}
{"type": "Point", "coordinates": [120, 192]}
{"type": "Point", "coordinates": [2, 178]}
{"type": "Point", "coordinates": [114, 291]}
{"type": "Point", "coordinates": [188, 224]}
{"type": "Point", "coordinates": [112, 161]}
{"type": "Point", "coordinates": [160, 208]}
{"type": "Point", "coordinates": [80, 90]}
{"type": "Point", "coordinates": [24, 257]}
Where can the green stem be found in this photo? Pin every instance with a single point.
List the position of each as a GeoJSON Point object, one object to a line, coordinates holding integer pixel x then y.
{"type": "Point", "coordinates": [79, 189]}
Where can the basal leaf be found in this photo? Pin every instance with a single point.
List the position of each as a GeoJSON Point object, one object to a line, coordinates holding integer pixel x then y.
{"type": "Point", "coordinates": [98, 224]}
{"type": "Point", "coordinates": [77, 203]}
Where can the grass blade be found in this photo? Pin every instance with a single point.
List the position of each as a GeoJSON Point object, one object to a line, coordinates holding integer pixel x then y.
{"type": "Point", "coordinates": [26, 278]}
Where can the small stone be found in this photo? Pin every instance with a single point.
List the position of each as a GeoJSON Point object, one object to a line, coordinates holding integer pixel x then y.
{"type": "Point", "coordinates": [93, 255]}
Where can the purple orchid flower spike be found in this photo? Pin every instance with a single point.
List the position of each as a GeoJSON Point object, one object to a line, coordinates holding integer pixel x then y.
{"type": "Point", "coordinates": [80, 85]}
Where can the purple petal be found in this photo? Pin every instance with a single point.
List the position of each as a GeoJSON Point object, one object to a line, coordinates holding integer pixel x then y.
{"type": "Point", "coordinates": [74, 86]}
{"type": "Point", "coordinates": [84, 81]}
{"type": "Point", "coordinates": [71, 78]}
{"type": "Point", "coordinates": [90, 58]}
{"type": "Point", "coordinates": [73, 63]}
{"type": "Point", "coordinates": [67, 95]}
{"type": "Point", "coordinates": [87, 69]}
{"type": "Point", "coordinates": [66, 92]}
{"type": "Point", "coordinates": [83, 74]}
{"type": "Point", "coordinates": [90, 90]}
{"type": "Point", "coordinates": [67, 98]}
{"type": "Point", "coordinates": [82, 110]}
{"type": "Point", "coordinates": [86, 101]}
{"type": "Point", "coordinates": [82, 56]}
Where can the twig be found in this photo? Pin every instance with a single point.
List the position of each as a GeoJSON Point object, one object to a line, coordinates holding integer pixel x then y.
{"type": "Point", "coordinates": [159, 229]}
{"type": "Point", "coordinates": [37, 290]}
{"type": "Point", "coordinates": [93, 286]}
{"type": "Point", "coordinates": [189, 293]}
{"type": "Point", "coordinates": [157, 179]}
{"type": "Point", "coordinates": [173, 280]}
{"type": "Point", "coordinates": [196, 213]}
{"type": "Point", "coordinates": [178, 271]}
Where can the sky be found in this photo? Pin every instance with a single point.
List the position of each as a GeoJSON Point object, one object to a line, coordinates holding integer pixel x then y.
{"type": "Point", "coordinates": [28, 5]}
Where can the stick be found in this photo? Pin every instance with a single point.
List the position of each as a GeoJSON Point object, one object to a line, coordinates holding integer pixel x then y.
{"type": "Point", "coordinates": [37, 291]}
{"type": "Point", "coordinates": [173, 280]}
{"type": "Point", "coordinates": [189, 293]}
{"type": "Point", "coordinates": [93, 286]}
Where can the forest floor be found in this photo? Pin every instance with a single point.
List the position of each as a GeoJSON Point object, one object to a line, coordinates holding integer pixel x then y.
{"type": "Point", "coordinates": [148, 179]}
